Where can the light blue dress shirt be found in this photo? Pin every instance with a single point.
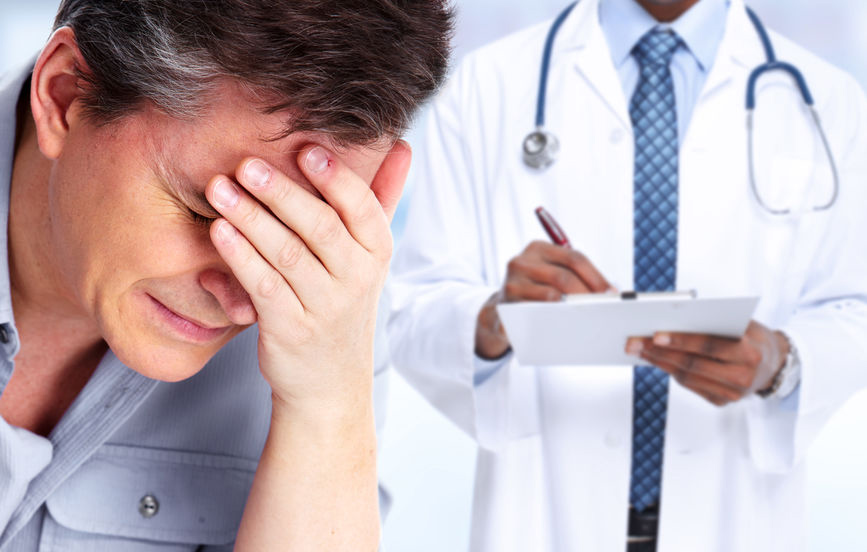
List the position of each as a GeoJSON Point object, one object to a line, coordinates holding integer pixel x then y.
{"type": "Point", "coordinates": [700, 29]}
{"type": "Point", "coordinates": [190, 447]}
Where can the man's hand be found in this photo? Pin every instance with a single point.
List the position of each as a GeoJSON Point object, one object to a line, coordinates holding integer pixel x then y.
{"type": "Point", "coordinates": [314, 269]}
{"type": "Point", "coordinates": [719, 369]}
{"type": "Point", "coordinates": [542, 272]}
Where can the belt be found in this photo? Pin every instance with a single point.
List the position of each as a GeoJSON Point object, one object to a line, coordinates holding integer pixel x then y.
{"type": "Point", "coordinates": [643, 528]}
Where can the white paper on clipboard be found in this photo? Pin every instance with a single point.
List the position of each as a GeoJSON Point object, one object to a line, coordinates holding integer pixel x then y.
{"type": "Point", "coordinates": [594, 332]}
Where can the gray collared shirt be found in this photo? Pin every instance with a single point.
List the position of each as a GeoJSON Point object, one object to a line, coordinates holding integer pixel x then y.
{"type": "Point", "coordinates": [135, 465]}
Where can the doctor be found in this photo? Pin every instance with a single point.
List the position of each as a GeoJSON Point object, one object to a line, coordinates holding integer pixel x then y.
{"type": "Point", "coordinates": [661, 184]}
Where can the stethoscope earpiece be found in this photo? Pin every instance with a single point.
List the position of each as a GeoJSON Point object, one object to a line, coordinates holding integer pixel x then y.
{"type": "Point", "coordinates": [540, 149]}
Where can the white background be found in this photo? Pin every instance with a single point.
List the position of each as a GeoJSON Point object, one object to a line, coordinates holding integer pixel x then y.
{"type": "Point", "coordinates": [426, 462]}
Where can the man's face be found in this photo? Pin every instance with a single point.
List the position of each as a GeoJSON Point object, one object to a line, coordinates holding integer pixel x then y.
{"type": "Point", "coordinates": [127, 235]}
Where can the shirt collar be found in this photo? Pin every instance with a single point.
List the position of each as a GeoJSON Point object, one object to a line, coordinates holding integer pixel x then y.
{"type": "Point", "coordinates": [701, 28]}
{"type": "Point", "coordinates": [10, 89]}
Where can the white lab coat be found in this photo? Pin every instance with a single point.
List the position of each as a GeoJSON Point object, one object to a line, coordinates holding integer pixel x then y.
{"type": "Point", "coordinates": [554, 463]}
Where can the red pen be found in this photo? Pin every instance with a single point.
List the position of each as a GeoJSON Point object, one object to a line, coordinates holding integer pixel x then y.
{"type": "Point", "coordinates": [557, 235]}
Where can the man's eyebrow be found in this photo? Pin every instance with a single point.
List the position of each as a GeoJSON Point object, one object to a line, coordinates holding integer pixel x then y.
{"type": "Point", "coordinates": [184, 189]}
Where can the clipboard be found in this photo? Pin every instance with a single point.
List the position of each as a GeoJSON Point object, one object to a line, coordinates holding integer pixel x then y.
{"type": "Point", "coordinates": [592, 329]}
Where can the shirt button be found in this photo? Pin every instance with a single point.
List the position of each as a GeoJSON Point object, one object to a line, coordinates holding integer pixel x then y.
{"type": "Point", "coordinates": [148, 506]}
{"type": "Point", "coordinates": [613, 440]}
{"type": "Point", "coordinates": [616, 136]}
{"type": "Point", "coordinates": [4, 334]}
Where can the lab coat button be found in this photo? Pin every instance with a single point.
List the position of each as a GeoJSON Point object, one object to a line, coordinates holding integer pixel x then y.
{"type": "Point", "coordinates": [613, 440]}
{"type": "Point", "coordinates": [148, 506]}
{"type": "Point", "coordinates": [616, 136]}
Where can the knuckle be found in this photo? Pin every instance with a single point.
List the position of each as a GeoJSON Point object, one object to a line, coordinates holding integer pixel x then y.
{"type": "Point", "coordinates": [562, 281]}
{"type": "Point", "coordinates": [690, 363]}
{"type": "Point", "coordinates": [732, 395]}
{"type": "Point", "coordinates": [578, 258]}
{"type": "Point", "coordinates": [744, 378]}
{"type": "Point", "coordinates": [250, 215]}
{"type": "Point", "coordinates": [280, 191]}
{"type": "Point", "coordinates": [754, 356]}
{"type": "Point", "coordinates": [385, 249]}
{"type": "Point", "coordinates": [290, 255]}
{"type": "Point", "coordinates": [364, 212]}
{"type": "Point", "coordinates": [707, 347]}
{"type": "Point", "coordinates": [718, 401]}
{"type": "Point", "coordinates": [517, 266]}
{"type": "Point", "coordinates": [325, 228]}
{"type": "Point", "coordinates": [269, 285]}
{"type": "Point", "coordinates": [535, 246]}
{"type": "Point", "coordinates": [512, 289]}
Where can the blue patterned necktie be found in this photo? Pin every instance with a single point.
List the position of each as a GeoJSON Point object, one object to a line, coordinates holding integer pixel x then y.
{"type": "Point", "coordinates": [654, 121]}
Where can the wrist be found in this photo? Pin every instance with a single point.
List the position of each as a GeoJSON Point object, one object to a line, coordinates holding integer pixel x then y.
{"type": "Point", "coordinates": [491, 342]}
{"type": "Point", "coordinates": [788, 375]}
{"type": "Point", "coordinates": [333, 416]}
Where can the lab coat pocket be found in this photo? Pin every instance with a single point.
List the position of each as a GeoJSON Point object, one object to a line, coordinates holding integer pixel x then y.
{"type": "Point", "coordinates": [138, 499]}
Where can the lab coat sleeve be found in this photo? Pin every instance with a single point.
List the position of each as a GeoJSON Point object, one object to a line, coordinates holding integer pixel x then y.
{"type": "Point", "coordinates": [829, 325]}
{"type": "Point", "coordinates": [439, 278]}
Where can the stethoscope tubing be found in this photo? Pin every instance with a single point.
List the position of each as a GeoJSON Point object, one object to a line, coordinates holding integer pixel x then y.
{"type": "Point", "coordinates": [543, 159]}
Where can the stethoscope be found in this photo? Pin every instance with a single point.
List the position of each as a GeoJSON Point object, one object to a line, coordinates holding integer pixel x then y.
{"type": "Point", "coordinates": [541, 147]}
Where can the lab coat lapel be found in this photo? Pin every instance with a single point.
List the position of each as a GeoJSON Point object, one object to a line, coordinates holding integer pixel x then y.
{"type": "Point", "coordinates": [583, 34]}
{"type": "Point", "coordinates": [740, 48]}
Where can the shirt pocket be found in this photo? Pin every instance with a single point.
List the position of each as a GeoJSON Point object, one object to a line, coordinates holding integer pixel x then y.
{"type": "Point", "coordinates": [135, 499]}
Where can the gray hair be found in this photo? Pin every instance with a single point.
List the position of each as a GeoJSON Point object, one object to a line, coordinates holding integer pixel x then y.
{"type": "Point", "coordinates": [355, 69]}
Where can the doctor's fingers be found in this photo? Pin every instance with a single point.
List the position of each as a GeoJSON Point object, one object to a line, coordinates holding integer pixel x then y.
{"type": "Point", "coordinates": [712, 391]}
{"type": "Point", "coordinates": [723, 381]}
{"type": "Point", "coordinates": [721, 348]}
{"type": "Point", "coordinates": [522, 289]}
{"type": "Point", "coordinates": [521, 270]}
{"type": "Point", "coordinates": [573, 260]}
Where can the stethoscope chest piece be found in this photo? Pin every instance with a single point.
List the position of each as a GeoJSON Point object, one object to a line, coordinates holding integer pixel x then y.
{"type": "Point", "coordinates": [541, 149]}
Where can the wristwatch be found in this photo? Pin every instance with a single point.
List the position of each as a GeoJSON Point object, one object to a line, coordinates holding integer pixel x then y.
{"type": "Point", "coordinates": [788, 378]}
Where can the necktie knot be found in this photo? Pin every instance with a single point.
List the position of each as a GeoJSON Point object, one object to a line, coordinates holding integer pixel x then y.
{"type": "Point", "coordinates": [656, 48]}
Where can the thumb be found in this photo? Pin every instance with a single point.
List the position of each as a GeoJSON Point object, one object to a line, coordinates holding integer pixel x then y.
{"type": "Point", "coordinates": [390, 178]}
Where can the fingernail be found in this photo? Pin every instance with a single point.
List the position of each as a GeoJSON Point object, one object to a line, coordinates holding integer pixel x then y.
{"type": "Point", "coordinates": [225, 194]}
{"type": "Point", "coordinates": [317, 160]}
{"type": "Point", "coordinates": [226, 232]}
{"type": "Point", "coordinates": [662, 339]}
{"type": "Point", "coordinates": [257, 174]}
{"type": "Point", "coordinates": [634, 347]}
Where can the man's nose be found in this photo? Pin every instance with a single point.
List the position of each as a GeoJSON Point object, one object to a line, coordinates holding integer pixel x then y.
{"type": "Point", "coordinates": [233, 299]}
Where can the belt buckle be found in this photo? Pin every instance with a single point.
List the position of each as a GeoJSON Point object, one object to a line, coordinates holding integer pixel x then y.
{"type": "Point", "coordinates": [643, 526]}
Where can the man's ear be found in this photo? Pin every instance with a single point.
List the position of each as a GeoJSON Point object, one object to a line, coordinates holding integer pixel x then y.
{"type": "Point", "coordinates": [53, 91]}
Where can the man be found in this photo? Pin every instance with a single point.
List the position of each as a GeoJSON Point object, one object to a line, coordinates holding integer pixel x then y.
{"type": "Point", "coordinates": [653, 187]}
{"type": "Point", "coordinates": [176, 173]}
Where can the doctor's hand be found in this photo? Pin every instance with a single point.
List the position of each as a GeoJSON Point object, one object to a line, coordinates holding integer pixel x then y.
{"type": "Point", "coordinates": [313, 268]}
{"type": "Point", "coordinates": [542, 272]}
{"type": "Point", "coordinates": [719, 369]}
